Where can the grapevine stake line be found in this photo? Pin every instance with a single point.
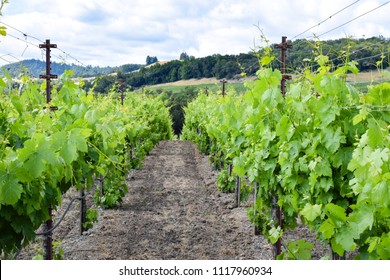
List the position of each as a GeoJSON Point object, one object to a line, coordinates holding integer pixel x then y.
{"type": "Point", "coordinates": [49, 224]}
{"type": "Point", "coordinates": [223, 87]}
{"type": "Point", "coordinates": [48, 75]}
{"type": "Point", "coordinates": [283, 46]}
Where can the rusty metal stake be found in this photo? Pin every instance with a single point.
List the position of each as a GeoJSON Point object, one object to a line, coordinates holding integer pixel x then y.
{"type": "Point", "coordinates": [48, 241]}
{"type": "Point", "coordinates": [48, 245]}
{"type": "Point", "coordinates": [278, 211]}
{"type": "Point", "coordinates": [48, 75]}
{"type": "Point", "coordinates": [284, 46]}
{"type": "Point", "coordinates": [83, 211]}
{"type": "Point", "coordinates": [237, 192]}
{"type": "Point", "coordinates": [223, 87]}
{"type": "Point", "coordinates": [279, 242]}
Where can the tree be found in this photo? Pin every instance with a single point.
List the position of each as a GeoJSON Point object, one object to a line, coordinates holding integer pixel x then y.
{"type": "Point", "coordinates": [184, 56]}
{"type": "Point", "coordinates": [151, 60]}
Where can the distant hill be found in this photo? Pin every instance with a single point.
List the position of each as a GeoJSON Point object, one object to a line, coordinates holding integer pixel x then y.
{"type": "Point", "coordinates": [366, 52]}
{"type": "Point", "coordinates": [34, 68]}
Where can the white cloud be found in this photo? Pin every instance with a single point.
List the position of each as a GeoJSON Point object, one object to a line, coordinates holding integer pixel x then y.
{"type": "Point", "coordinates": [115, 32]}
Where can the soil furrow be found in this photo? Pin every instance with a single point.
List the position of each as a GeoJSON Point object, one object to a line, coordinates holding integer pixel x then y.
{"type": "Point", "coordinates": [169, 213]}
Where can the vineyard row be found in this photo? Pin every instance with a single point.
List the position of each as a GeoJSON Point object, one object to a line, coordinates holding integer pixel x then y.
{"type": "Point", "coordinates": [320, 154]}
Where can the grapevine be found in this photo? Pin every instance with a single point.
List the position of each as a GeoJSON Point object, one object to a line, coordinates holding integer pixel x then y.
{"type": "Point", "coordinates": [43, 153]}
{"type": "Point", "coordinates": [323, 152]}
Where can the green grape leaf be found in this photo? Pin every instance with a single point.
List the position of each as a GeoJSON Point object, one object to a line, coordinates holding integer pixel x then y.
{"type": "Point", "coordinates": [383, 248]}
{"type": "Point", "coordinates": [239, 166]}
{"type": "Point", "coordinates": [323, 168]}
{"type": "Point", "coordinates": [325, 112]}
{"type": "Point", "coordinates": [78, 138]}
{"type": "Point", "coordinates": [325, 184]}
{"type": "Point", "coordinates": [16, 101]}
{"type": "Point", "coordinates": [36, 154]}
{"type": "Point", "coordinates": [300, 250]}
{"type": "Point", "coordinates": [75, 141]}
{"type": "Point", "coordinates": [322, 60]}
{"type": "Point", "coordinates": [345, 237]}
{"type": "Point", "coordinates": [342, 158]}
{"type": "Point", "coordinates": [381, 193]}
{"type": "Point", "coordinates": [335, 213]}
{"type": "Point", "coordinates": [266, 60]}
{"type": "Point", "coordinates": [332, 139]}
{"type": "Point", "coordinates": [275, 234]}
{"type": "Point", "coordinates": [10, 189]}
{"type": "Point", "coordinates": [362, 217]}
{"type": "Point", "coordinates": [327, 229]}
{"type": "Point", "coordinates": [69, 153]}
{"type": "Point", "coordinates": [378, 157]}
{"type": "Point", "coordinates": [373, 243]}
{"type": "Point", "coordinates": [374, 133]}
{"type": "Point", "coordinates": [363, 113]}
{"type": "Point", "coordinates": [238, 141]}
{"type": "Point", "coordinates": [336, 247]}
{"type": "Point", "coordinates": [92, 116]}
{"type": "Point", "coordinates": [379, 94]}
{"type": "Point", "coordinates": [311, 212]}
{"type": "Point", "coordinates": [283, 126]}
{"type": "Point", "coordinates": [59, 140]}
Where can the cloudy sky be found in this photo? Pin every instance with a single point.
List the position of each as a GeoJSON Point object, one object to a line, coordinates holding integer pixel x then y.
{"type": "Point", "coordinates": [115, 32]}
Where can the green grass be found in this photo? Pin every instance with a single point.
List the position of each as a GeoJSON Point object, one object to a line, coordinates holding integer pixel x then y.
{"type": "Point", "coordinates": [363, 87]}
{"type": "Point", "coordinates": [238, 87]}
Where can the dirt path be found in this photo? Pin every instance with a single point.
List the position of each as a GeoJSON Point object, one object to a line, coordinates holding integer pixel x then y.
{"type": "Point", "coordinates": [172, 211]}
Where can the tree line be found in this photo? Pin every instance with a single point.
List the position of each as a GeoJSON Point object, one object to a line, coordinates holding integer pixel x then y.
{"type": "Point", "coordinates": [370, 54]}
{"type": "Point", "coordinates": [34, 67]}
